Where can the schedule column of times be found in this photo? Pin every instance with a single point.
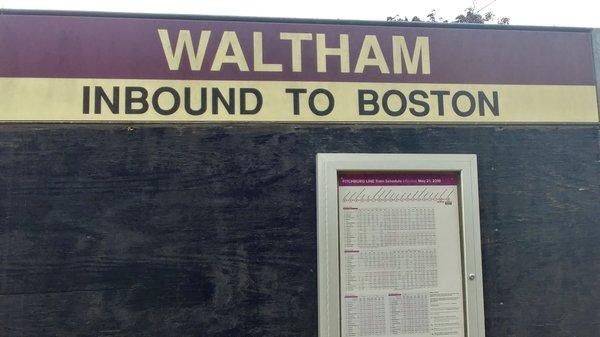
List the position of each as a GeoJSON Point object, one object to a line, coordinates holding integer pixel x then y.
{"type": "Point", "coordinates": [400, 260]}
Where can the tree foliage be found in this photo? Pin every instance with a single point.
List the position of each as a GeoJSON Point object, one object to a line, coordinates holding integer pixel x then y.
{"type": "Point", "coordinates": [471, 15]}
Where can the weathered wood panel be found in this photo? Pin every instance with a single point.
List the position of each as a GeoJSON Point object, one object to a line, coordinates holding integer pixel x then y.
{"type": "Point", "coordinates": [198, 230]}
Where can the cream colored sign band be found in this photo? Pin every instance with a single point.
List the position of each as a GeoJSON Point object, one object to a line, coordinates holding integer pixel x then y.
{"type": "Point", "coordinates": [106, 100]}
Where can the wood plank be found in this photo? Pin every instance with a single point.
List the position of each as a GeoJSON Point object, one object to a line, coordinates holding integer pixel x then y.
{"type": "Point", "coordinates": [203, 230]}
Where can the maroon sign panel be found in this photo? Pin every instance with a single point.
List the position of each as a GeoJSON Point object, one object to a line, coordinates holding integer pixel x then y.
{"type": "Point", "coordinates": [125, 48]}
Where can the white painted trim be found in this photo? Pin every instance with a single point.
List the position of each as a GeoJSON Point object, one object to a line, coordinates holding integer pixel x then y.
{"type": "Point", "coordinates": [596, 55]}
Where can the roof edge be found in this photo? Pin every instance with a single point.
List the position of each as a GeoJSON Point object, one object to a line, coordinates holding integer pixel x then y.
{"type": "Point", "coordinates": [287, 20]}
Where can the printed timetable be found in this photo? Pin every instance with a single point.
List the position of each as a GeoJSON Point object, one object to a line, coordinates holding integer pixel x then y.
{"type": "Point", "coordinates": [400, 255]}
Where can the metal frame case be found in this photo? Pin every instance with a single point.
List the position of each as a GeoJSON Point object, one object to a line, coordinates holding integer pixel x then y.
{"type": "Point", "coordinates": [328, 166]}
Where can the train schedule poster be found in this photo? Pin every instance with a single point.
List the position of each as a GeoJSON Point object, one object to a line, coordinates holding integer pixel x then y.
{"type": "Point", "coordinates": [400, 255]}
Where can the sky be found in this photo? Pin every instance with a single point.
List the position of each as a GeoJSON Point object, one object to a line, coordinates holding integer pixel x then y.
{"type": "Point", "coordinates": [575, 13]}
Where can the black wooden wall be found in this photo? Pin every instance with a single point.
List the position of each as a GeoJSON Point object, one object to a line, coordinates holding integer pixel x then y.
{"type": "Point", "coordinates": [204, 230]}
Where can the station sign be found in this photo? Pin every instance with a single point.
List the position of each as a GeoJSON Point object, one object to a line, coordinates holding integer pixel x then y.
{"type": "Point", "coordinates": [67, 68]}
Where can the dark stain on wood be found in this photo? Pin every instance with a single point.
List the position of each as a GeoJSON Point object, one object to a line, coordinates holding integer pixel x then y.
{"type": "Point", "coordinates": [203, 230]}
